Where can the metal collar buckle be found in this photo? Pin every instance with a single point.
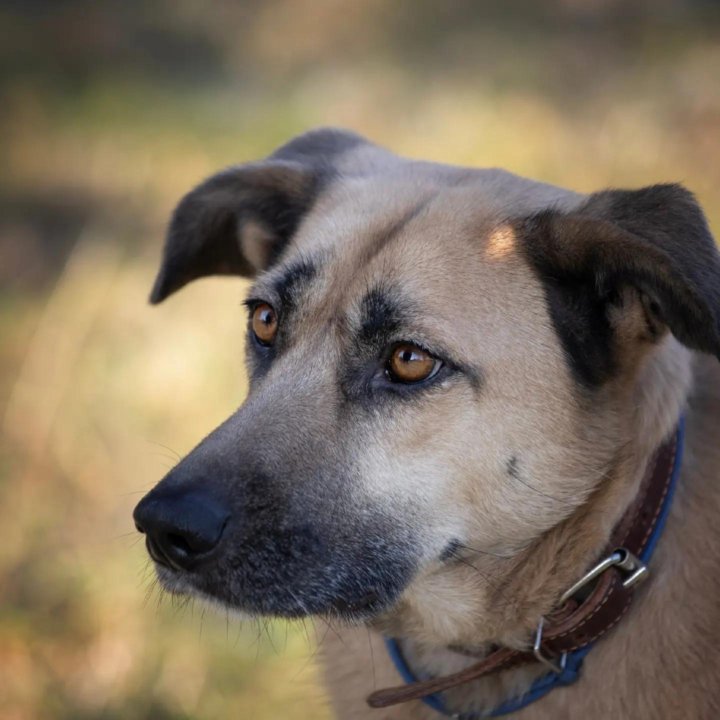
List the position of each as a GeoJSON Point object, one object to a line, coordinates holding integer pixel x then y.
{"type": "Point", "coordinates": [557, 665]}
{"type": "Point", "coordinates": [635, 570]}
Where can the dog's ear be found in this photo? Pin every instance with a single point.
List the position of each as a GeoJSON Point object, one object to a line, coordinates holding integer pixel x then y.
{"type": "Point", "coordinates": [650, 249]}
{"type": "Point", "coordinates": [238, 221]}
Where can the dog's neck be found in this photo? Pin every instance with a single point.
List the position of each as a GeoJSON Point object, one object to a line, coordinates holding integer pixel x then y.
{"type": "Point", "coordinates": [661, 393]}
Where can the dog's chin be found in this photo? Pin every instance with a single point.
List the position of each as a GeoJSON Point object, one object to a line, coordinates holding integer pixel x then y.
{"type": "Point", "coordinates": [361, 607]}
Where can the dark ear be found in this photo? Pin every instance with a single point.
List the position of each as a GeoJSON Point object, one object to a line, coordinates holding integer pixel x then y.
{"type": "Point", "coordinates": [238, 221]}
{"type": "Point", "coordinates": [652, 245]}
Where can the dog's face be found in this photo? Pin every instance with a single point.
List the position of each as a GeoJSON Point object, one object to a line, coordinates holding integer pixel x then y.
{"type": "Point", "coordinates": [444, 366]}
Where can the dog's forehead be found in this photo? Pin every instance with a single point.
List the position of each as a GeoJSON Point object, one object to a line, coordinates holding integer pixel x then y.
{"type": "Point", "coordinates": [416, 226]}
{"type": "Point", "coordinates": [361, 214]}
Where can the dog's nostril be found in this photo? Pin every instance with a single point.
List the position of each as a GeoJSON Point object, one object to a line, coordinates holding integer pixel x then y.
{"type": "Point", "coordinates": [179, 543]}
{"type": "Point", "coordinates": [139, 528]}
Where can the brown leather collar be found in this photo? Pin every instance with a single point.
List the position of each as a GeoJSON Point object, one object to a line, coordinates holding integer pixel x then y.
{"type": "Point", "coordinates": [577, 621]}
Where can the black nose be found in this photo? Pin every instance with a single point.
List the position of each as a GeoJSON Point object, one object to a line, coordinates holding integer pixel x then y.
{"type": "Point", "coordinates": [182, 528]}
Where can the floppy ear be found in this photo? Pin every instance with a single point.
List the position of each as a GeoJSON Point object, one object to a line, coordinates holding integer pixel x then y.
{"type": "Point", "coordinates": [652, 246]}
{"type": "Point", "coordinates": [238, 221]}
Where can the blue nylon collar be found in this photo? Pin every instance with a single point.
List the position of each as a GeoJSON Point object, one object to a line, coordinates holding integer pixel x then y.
{"type": "Point", "coordinates": [571, 672]}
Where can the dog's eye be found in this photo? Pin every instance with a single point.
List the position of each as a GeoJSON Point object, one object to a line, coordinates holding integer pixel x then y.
{"type": "Point", "coordinates": [264, 323]}
{"type": "Point", "coordinates": [411, 364]}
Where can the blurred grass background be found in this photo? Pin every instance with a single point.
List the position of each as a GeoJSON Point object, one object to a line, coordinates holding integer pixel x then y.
{"type": "Point", "coordinates": [109, 111]}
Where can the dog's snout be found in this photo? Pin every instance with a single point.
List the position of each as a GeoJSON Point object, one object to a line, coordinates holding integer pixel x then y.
{"type": "Point", "coordinates": [182, 528]}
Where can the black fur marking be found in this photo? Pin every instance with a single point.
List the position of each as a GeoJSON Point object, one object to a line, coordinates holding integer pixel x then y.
{"type": "Point", "coordinates": [291, 284]}
{"type": "Point", "coordinates": [381, 318]}
{"type": "Point", "coordinates": [578, 311]}
{"type": "Point", "coordinates": [382, 315]}
{"type": "Point", "coordinates": [285, 293]}
{"type": "Point", "coordinates": [512, 467]}
{"type": "Point", "coordinates": [654, 240]}
{"type": "Point", "coordinates": [450, 551]}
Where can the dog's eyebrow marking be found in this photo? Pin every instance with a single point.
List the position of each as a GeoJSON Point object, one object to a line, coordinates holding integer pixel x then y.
{"type": "Point", "coordinates": [290, 285]}
{"type": "Point", "coordinates": [380, 316]}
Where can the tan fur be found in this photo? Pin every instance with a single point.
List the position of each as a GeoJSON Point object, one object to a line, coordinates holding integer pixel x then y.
{"type": "Point", "coordinates": [663, 636]}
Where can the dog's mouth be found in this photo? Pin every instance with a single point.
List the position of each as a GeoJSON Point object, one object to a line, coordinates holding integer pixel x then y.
{"type": "Point", "coordinates": [288, 604]}
{"type": "Point", "coordinates": [330, 592]}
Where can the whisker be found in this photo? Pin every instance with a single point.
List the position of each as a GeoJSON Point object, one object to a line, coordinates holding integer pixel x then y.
{"type": "Point", "coordinates": [256, 641]}
{"type": "Point", "coordinates": [268, 633]}
{"type": "Point", "coordinates": [485, 552]}
{"type": "Point", "coordinates": [202, 623]}
{"type": "Point", "coordinates": [372, 657]}
{"type": "Point", "coordinates": [543, 494]}
{"type": "Point", "coordinates": [311, 657]}
{"type": "Point", "coordinates": [175, 454]}
{"type": "Point", "coordinates": [124, 535]}
{"type": "Point", "coordinates": [493, 585]}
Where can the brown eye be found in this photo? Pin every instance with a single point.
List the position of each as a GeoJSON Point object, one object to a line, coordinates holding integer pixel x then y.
{"type": "Point", "coordinates": [410, 364]}
{"type": "Point", "coordinates": [264, 323]}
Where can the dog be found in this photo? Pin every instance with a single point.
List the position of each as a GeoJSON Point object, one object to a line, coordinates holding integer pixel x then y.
{"type": "Point", "coordinates": [460, 381]}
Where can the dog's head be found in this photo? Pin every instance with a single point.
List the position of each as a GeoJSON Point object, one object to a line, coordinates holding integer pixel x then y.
{"type": "Point", "coordinates": [447, 367]}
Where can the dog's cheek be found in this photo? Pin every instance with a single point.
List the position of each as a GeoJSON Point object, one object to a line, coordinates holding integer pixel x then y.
{"type": "Point", "coordinates": [407, 474]}
{"type": "Point", "coordinates": [440, 470]}
{"type": "Point", "coordinates": [474, 475]}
